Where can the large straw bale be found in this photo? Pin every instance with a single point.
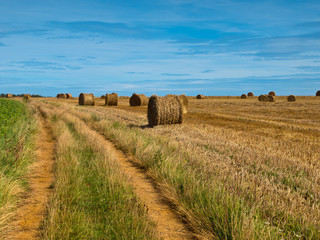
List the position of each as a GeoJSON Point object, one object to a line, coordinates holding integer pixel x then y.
{"type": "Point", "coordinates": [291, 98]}
{"type": "Point", "coordinates": [183, 100]}
{"type": "Point", "coordinates": [318, 93]}
{"type": "Point", "coordinates": [68, 95]}
{"type": "Point", "coordinates": [250, 94]}
{"type": "Point", "coordinates": [138, 100]}
{"type": "Point", "coordinates": [271, 98]}
{"type": "Point", "coordinates": [112, 99]}
{"type": "Point", "coordinates": [244, 96]}
{"type": "Point", "coordinates": [164, 110]}
{"type": "Point", "coordinates": [8, 95]}
{"type": "Point", "coordinates": [86, 99]}
{"type": "Point", "coordinates": [272, 93]}
{"type": "Point", "coordinates": [263, 98]}
{"type": "Point", "coordinates": [103, 96]}
{"type": "Point", "coordinates": [199, 96]}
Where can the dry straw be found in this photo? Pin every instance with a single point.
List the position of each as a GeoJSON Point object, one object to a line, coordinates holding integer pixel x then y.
{"type": "Point", "coordinates": [244, 96]}
{"type": "Point", "coordinates": [61, 95]}
{"type": "Point", "coordinates": [164, 110]}
{"type": "Point", "coordinates": [9, 95]}
{"type": "Point", "coordinates": [183, 101]}
{"type": "Point", "coordinates": [26, 96]}
{"type": "Point", "coordinates": [86, 99]}
{"type": "Point", "coordinates": [199, 96]}
{"type": "Point", "coordinates": [103, 97]}
{"type": "Point", "coordinates": [68, 95]}
{"type": "Point", "coordinates": [263, 98]}
{"type": "Point", "coordinates": [250, 94]}
{"type": "Point", "coordinates": [271, 98]}
{"type": "Point", "coordinates": [291, 98]}
{"type": "Point", "coordinates": [112, 99]}
{"type": "Point", "coordinates": [272, 93]}
{"type": "Point", "coordinates": [318, 93]}
{"type": "Point", "coordinates": [138, 100]}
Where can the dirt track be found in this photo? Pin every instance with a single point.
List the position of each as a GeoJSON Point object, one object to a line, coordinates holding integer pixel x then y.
{"type": "Point", "coordinates": [168, 223]}
{"type": "Point", "coordinates": [32, 208]}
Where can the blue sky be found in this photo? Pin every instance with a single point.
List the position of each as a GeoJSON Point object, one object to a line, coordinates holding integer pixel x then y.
{"type": "Point", "coordinates": [212, 47]}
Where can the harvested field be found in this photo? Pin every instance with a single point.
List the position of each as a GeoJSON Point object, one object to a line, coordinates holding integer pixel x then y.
{"type": "Point", "coordinates": [261, 159]}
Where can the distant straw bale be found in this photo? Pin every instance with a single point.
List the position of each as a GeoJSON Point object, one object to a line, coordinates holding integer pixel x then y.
{"type": "Point", "coordinates": [244, 96]}
{"type": "Point", "coordinates": [271, 98]}
{"type": "Point", "coordinates": [112, 99]}
{"type": "Point", "coordinates": [26, 96]}
{"type": "Point", "coordinates": [291, 98]}
{"type": "Point", "coordinates": [61, 95]}
{"type": "Point", "coordinates": [164, 110]}
{"type": "Point", "coordinates": [183, 100]}
{"type": "Point", "coordinates": [199, 96]}
{"type": "Point", "coordinates": [86, 99]}
{"type": "Point", "coordinates": [250, 94]}
{"type": "Point", "coordinates": [318, 93]}
{"type": "Point", "coordinates": [103, 96]}
{"type": "Point", "coordinates": [263, 98]}
{"type": "Point", "coordinates": [68, 95]}
{"type": "Point", "coordinates": [272, 93]}
{"type": "Point", "coordinates": [8, 95]}
{"type": "Point", "coordinates": [138, 100]}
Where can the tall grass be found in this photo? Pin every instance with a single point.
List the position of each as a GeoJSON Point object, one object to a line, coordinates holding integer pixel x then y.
{"type": "Point", "coordinates": [92, 198]}
{"type": "Point", "coordinates": [17, 134]}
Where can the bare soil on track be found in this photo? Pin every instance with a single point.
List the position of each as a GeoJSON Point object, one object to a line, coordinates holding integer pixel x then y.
{"type": "Point", "coordinates": [32, 208]}
{"type": "Point", "coordinates": [169, 224]}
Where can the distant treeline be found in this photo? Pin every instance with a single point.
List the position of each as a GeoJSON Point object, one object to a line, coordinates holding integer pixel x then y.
{"type": "Point", "coordinates": [20, 95]}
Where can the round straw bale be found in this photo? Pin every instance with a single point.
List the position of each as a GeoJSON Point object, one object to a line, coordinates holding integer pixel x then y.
{"type": "Point", "coordinates": [244, 96]}
{"type": "Point", "coordinates": [250, 94]}
{"type": "Point", "coordinates": [199, 96]}
{"type": "Point", "coordinates": [272, 93]}
{"type": "Point", "coordinates": [291, 98]}
{"type": "Point", "coordinates": [263, 98]}
{"type": "Point", "coordinates": [103, 96]}
{"type": "Point", "coordinates": [68, 95]}
{"type": "Point", "coordinates": [26, 96]}
{"type": "Point", "coordinates": [271, 98]}
{"type": "Point", "coordinates": [138, 100]}
{"type": "Point", "coordinates": [183, 100]}
{"type": "Point", "coordinates": [86, 99]}
{"type": "Point", "coordinates": [318, 93]}
{"type": "Point", "coordinates": [112, 99]}
{"type": "Point", "coordinates": [164, 110]}
{"type": "Point", "coordinates": [8, 95]}
{"type": "Point", "coordinates": [61, 95]}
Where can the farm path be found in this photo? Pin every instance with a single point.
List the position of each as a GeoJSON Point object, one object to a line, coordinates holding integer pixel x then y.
{"type": "Point", "coordinates": [168, 223]}
{"type": "Point", "coordinates": [33, 206]}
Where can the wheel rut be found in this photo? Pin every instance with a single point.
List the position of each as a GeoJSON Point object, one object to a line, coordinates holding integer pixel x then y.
{"type": "Point", "coordinates": [169, 224]}
{"type": "Point", "coordinates": [32, 208]}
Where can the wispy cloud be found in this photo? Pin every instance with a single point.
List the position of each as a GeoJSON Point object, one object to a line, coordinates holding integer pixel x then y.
{"type": "Point", "coordinates": [309, 68]}
{"type": "Point", "coordinates": [207, 71]}
{"type": "Point", "coordinates": [137, 73]}
{"type": "Point", "coordinates": [45, 65]}
{"type": "Point", "coordinates": [175, 74]}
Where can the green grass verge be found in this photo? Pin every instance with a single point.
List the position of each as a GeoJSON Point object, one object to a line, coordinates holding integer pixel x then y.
{"type": "Point", "coordinates": [17, 134]}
